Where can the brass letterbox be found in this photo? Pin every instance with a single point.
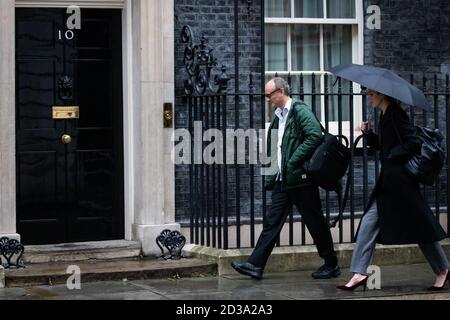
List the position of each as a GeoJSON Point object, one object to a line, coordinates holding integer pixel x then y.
{"type": "Point", "coordinates": [66, 113]}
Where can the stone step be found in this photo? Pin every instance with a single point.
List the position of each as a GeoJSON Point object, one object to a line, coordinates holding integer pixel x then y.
{"type": "Point", "coordinates": [133, 269]}
{"type": "Point", "coordinates": [101, 250]}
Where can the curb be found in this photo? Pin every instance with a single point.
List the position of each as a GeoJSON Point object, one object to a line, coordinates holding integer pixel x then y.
{"type": "Point", "coordinates": [2, 277]}
{"type": "Point", "coordinates": [302, 258]}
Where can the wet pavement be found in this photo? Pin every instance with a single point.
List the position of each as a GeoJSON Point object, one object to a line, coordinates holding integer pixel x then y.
{"type": "Point", "coordinates": [397, 282]}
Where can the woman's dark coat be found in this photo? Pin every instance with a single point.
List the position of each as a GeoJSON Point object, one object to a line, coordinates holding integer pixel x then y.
{"type": "Point", "coordinates": [404, 216]}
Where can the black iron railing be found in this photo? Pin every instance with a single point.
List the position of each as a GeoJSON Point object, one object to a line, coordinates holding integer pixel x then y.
{"type": "Point", "coordinates": [228, 201]}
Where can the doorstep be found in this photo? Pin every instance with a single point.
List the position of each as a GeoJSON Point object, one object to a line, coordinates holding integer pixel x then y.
{"type": "Point", "coordinates": [95, 250]}
{"type": "Point", "coordinates": [91, 271]}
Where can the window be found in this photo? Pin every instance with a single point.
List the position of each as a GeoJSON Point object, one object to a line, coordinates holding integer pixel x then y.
{"type": "Point", "coordinates": [305, 38]}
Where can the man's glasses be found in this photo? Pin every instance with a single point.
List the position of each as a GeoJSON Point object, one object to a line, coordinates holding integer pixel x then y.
{"type": "Point", "coordinates": [269, 95]}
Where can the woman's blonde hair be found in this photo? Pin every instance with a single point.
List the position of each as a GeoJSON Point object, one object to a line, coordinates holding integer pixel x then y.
{"type": "Point", "coordinates": [391, 100]}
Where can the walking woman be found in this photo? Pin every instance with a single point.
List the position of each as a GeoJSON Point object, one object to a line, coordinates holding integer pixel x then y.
{"type": "Point", "coordinates": [398, 213]}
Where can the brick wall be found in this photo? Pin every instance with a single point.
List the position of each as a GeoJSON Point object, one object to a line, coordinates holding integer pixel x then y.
{"type": "Point", "coordinates": [215, 19]}
{"type": "Point", "coordinates": [412, 38]}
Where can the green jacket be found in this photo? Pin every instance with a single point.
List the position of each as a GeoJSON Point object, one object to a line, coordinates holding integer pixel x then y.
{"type": "Point", "coordinates": [294, 153]}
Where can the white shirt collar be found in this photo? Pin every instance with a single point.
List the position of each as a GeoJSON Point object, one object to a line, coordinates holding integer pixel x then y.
{"type": "Point", "coordinates": [279, 111]}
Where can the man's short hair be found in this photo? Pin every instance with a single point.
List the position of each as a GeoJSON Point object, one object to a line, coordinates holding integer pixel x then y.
{"type": "Point", "coordinates": [280, 83]}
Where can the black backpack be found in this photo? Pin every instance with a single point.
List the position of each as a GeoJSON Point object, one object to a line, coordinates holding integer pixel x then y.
{"type": "Point", "coordinates": [329, 162]}
{"type": "Point", "coordinates": [426, 166]}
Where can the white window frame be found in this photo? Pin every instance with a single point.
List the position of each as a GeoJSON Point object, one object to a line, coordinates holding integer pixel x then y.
{"type": "Point", "coordinates": [357, 58]}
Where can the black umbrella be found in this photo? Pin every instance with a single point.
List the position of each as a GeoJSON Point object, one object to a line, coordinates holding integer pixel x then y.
{"type": "Point", "coordinates": [383, 81]}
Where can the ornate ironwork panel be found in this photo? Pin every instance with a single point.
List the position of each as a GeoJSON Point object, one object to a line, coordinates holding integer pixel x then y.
{"type": "Point", "coordinates": [173, 241]}
{"type": "Point", "coordinates": [10, 249]}
{"type": "Point", "coordinates": [199, 61]}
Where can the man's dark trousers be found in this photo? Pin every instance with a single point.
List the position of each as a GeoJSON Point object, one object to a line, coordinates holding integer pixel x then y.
{"type": "Point", "coordinates": [307, 201]}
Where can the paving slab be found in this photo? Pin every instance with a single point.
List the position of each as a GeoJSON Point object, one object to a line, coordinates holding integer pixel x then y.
{"type": "Point", "coordinates": [398, 282]}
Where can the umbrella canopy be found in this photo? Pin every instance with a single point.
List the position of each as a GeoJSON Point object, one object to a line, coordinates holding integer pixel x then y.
{"type": "Point", "coordinates": [383, 81]}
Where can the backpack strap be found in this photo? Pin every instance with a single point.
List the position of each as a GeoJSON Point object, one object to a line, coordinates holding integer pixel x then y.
{"type": "Point", "coordinates": [296, 125]}
{"type": "Point", "coordinates": [343, 201]}
{"type": "Point", "coordinates": [294, 114]}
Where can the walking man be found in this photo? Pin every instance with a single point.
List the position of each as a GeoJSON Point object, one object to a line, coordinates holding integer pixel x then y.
{"type": "Point", "coordinates": [291, 185]}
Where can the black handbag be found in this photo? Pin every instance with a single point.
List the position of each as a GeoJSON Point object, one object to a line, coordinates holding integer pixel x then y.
{"type": "Point", "coordinates": [426, 166]}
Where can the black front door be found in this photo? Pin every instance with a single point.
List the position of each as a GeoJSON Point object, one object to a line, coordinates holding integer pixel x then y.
{"type": "Point", "coordinates": [69, 169]}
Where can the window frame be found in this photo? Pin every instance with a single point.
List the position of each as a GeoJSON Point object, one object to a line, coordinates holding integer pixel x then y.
{"type": "Point", "coordinates": [357, 24]}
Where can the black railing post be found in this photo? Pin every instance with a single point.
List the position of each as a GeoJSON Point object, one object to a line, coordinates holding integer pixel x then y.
{"type": "Point", "coordinates": [447, 136]}
{"type": "Point", "coordinates": [326, 118]}
{"type": "Point", "coordinates": [291, 212]}
{"type": "Point", "coordinates": [313, 90]}
{"type": "Point", "coordinates": [263, 107]}
{"type": "Point", "coordinates": [289, 80]}
{"type": "Point", "coordinates": [202, 177]}
{"type": "Point", "coordinates": [436, 125]}
{"type": "Point", "coordinates": [196, 178]}
{"type": "Point", "coordinates": [425, 123]}
{"type": "Point", "coordinates": [236, 119]}
{"type": "Point", "coordinates": [208, 187]}
{"type": "Point", "coordinates": [251, 166]}
{"type": "Point", "coordinates": [220, 169]}
{"type": "Point", "coordinates": [191, 169]}
{"type": "Point", "coordinates": [225, 175]}
{"type": "Point", "coordinates": [341, 234]}
{"type": "Point", "coordinates": [352, 167]}
{"type": "Point", "coordinates": [302, 97]}
{"type": "Point", "coordinates": [365, 156]}
{"type": "Point", "coordinates": [214, 184]}
{"type": "Point", "coordinates": [237, 174]}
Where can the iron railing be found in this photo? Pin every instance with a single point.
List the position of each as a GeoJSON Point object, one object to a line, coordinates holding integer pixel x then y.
{"type": "Point", "coordinates": [228, 201]}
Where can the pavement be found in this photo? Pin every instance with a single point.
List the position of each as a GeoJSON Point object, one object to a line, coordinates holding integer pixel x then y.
{"type": "Point", "coordinates": [398, 282]}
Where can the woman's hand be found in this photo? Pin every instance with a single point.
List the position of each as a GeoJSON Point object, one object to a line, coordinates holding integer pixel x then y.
{"type": "Point", "coordinates": [365, 127]}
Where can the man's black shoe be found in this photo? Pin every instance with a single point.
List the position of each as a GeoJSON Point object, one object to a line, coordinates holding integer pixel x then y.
{"type": "Point", "coordinates": [326, 272]}
{"type": "Point", "coordinates": [248, 269]}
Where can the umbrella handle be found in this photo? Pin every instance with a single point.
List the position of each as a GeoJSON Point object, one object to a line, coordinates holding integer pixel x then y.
{"type": "Point", "coordinates": [335, 81]}
{"type": "Point", "coordinates": [369, 120]}
{"type": "Point", "coordinates": [370, 116]}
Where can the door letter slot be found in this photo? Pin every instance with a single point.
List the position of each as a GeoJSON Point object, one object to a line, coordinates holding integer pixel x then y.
{"type": "Point", "coordinates": [64, 113]}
